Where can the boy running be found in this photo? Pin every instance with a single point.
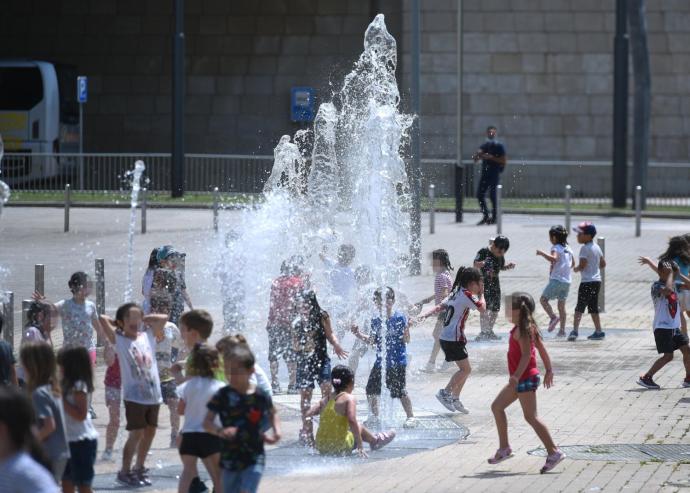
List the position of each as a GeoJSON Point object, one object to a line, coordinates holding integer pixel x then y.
{"type": "Point", "coordinates": [667, 334]}
{"type": "Point", "coordinates": [590, 265]}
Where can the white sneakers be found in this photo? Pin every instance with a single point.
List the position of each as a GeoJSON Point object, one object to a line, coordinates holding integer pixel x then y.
{"type": "Point", "coordinates": [449, 402]}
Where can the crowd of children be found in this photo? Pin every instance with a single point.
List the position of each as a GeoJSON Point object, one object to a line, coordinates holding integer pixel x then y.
{"type": "Point", "coordinates": [157, 354]}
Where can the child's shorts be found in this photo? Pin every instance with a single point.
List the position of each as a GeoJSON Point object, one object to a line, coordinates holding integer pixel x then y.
{"type": "Point", "coordinates": [139, 416]}
{"type": "Point", "coordinates": [669, 340]}
{"type": "Point", "coordinates": [312, 369]}
{"type": "Point", "coordinates": [280, 343]}
{"type": "Point", "coordinates": [556, 289]}
{"type": "Point", "coordinates": [245, 480]}
{"type": "Point", "coordinates": [199, 445]}
{"type": "Point", "coordinates": [396, 380]}
{"type": "Point", "coordinates": [79, 469]}
{"type": "Point", "coordinates": [454, 350]}
{"type": "Point", "coordinates": [169, 390]}
{"type": "Point", "coordinates": [113, 396]}
{"type": "Point", "coordinates": [588, 297]}
{"type": "Point", "coordinates": [528, 384]}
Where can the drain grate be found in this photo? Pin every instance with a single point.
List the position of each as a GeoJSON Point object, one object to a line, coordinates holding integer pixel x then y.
{"type": "Point", "coordinates": [624, 452]}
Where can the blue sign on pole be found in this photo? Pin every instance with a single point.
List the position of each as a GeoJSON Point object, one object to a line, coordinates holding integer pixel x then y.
{"type": "Point", "coordinates": [82, 89]}
{"type": "Point", "coordinates": [302, 102]}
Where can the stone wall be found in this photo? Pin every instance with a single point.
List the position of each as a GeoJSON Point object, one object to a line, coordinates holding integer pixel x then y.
{"type": "Point", "coordinates": [542, 71]}
{"type": "Point", "coordinates": [242, 58]}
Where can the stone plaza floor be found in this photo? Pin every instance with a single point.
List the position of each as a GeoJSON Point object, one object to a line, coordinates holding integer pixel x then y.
{"type": "Point", "coordinates": [611, 427]}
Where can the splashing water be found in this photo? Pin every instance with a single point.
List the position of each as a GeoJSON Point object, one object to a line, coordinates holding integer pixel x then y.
{"type": "Point", "coordinates": [136, 173]}
{"type": "Point", "coordinates": [4, 197]}
{"type": "Point", "coordinates": [342, 181]}
{"type": "Point", "coordinates": [4, 187]}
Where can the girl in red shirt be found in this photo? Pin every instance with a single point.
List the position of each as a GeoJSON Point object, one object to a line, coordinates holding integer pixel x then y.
{"type": "Point", "coordinates": [524, 380]}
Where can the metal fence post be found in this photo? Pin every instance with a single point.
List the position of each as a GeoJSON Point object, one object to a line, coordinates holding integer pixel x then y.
{"type": "Point", "coordinates": [100, 292]}
{"type": "Point", "coordinates": [601, 241]}
{"type": "Point", "coordinates": [216, 200]}
{"type": "Point", "coordinates": [432, 208]}
{"type": "Point", "coordinates": [638, 211]}
{"type": "Point", "coordinates": [25, 312]}
{"type": "Point", "coordinates": [8, 318]}
{"type": "Point", "coordinates": [499, 209]}
{"type": "Point", "coordinates": [39, 278]}
{"type": "Point", "coordinates": [143, 210]}
{"type": "Point", "coordinates": [67, 204]}
{"type": "Point", "coordinates": [568, 189]}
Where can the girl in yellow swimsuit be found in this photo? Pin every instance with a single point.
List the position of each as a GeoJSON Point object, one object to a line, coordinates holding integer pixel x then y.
{"type": "Point", "coordinates": [339, 432]}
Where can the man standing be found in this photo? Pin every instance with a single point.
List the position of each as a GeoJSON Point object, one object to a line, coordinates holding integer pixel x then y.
{"type": "Point", "coordinates": [493, 156]}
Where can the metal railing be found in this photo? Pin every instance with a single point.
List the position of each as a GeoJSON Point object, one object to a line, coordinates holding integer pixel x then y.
{"type": "Point", "coordinates": [108, 172]}
{"type": "Point", "coordinates": [540, 182]}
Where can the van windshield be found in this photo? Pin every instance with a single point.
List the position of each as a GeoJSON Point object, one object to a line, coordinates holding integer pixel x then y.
{"type": "Point", "coordinates": [21, 88]}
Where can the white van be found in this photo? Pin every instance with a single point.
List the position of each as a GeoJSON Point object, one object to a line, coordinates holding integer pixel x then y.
{"type": "Point", "coordinates": [38, 115]}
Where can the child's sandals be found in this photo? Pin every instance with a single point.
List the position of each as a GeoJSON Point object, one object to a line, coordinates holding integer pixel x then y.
{"type": "Point", "coordinates": [501, 455]}
{"type": "Point", "coordinates": [552, 460]}
{"type": "Point", "coordinates": [382, 439]}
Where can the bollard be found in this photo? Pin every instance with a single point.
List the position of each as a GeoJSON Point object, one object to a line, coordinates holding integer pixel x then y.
{"type": "Point", "coordinates": [216, 200]}
{"type": "Point", "coordinates": [8, 318]}
{"type": "Point", "coordinates": [67, 201]}
{"type": "Point", "coordinates": [568, 189]}
{"type": "Point", "coordinates": [499, 209]}
{"type": "Point", "coordinates": [39, 279]}
{"type": "Point", "coordinates": [601, 241]}
{"type": "Point", "coordinates": [432, 208]}
{"type": "Point", "coordinates": [638, 211]}
{"type": "Point", "coordinates": [25, 312]}
{"type": "Point", "coordinates": [100, 293]}
{"type": "Point", "coordinates": [143, 211]}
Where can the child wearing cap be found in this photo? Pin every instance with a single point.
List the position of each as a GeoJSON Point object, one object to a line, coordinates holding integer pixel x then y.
{"type": "Point", "coordinates": [590, 265]}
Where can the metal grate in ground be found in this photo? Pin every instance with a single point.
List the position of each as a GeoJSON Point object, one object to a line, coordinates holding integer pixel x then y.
{"type": "Point", "coordinates": [624, 452]}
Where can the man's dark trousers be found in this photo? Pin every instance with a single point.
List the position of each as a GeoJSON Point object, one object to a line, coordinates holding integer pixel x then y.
{"type": "Point", "coordinates": [488, 182]}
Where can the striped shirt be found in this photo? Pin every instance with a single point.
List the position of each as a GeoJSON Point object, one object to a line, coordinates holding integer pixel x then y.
{"type": "Point", "coordinates": [442, 282]}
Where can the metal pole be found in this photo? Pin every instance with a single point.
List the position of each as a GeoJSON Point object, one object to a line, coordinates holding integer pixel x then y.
{"type": "Point", "coordinates": [601, 241]}
{"type": "Point", "coordinates": [459, 178]}
{"type": "Point", "coordinates": [432, 208]}
{"type": "Point", "coordinates": [416, 178]}
{"type": "Point", "coordinates": [620, 106]}
{"type": "Point", "coordinates": [499, 209]}
{"type": "Point", "coordinates": [178, 90]}
{"type": "Point", "coordinates": [81, 146]}
{"type": "Point", "coordinates": [39, 278]}
{"type": "Point", "coordinates": [568, 189]}
{"type": "Point", "coordinates": [8, 318]}
{"type": "Point", "coordinates": [26, 304]}
{"type": "Point", "coordinates": [67, 203]}
{"type": "Point", "coordinates": [642, 95]}
{"type": "Point", "coordinates": [216, 200]}
{"type": "Point", "coordinates": [100, 292]}
{"type": "Point", "coordinates": [143, 210]}
{"type": "Point", "coordinates": [638, 211]}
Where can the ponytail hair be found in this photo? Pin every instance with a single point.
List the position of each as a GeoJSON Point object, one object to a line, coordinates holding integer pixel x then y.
{"type": "Point", "coordinates": [341, 377]}
{"type": "Point", "coordinates": [465, 276]}
{"type": "Point", "coordinates": [442, 256]}
{"type": "Point", "coordinates": [525, 304]}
